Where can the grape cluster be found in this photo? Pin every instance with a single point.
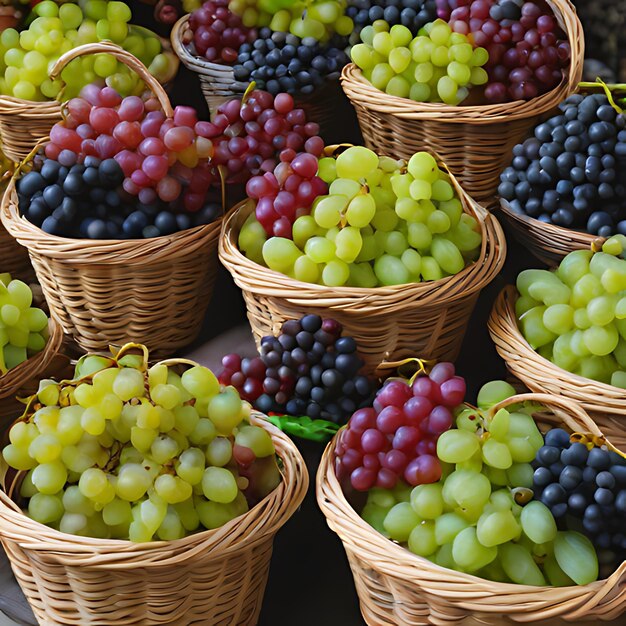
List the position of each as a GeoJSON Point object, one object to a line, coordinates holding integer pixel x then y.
{"type": "Point", "coordinates": [527, 49]}
{"type": "Point", "coordinates": [285, 194]}
{"type": "Point", "coordinates": [140, 455]}
{"type": "Point", "coordinates": [250, 136]}
{"type": "Point", "coordinates": [396, 439]}
{"type": "Point", "coordinates": [309, 369]}
{"type": "Point", "coordinates": [25, 57]}
{"type": "Point", "coordinates": [576, 316]}
{"type": "Point", "coordinates": [383, 222]}
{"type": "Point", "coordinates": [280, 62]}
{"type": "Point", "coordinates": [86, 200]}
{"type": "Point", "coordinates": [478, 518]}
{"type": "Point", "coordinates": [414, 14]}
{"type": "Point", "coordinates": [162, 159]}
{"type": "Point", "coordinates": [218, 32]}
{"type": "Point", "coordinates": [573, 171]}
{"type": "Point", "coordinates": [585, 489]}
{"type": "Point", "coordinates": [437, 65]}
{"type": "Point", "coordinates": [23, 328]}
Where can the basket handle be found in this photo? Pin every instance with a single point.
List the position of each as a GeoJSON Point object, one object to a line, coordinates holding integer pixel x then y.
{"type": "Point", "coordinates": [580, 417]}
{"type": "Point", "coordinates": [124, 57]}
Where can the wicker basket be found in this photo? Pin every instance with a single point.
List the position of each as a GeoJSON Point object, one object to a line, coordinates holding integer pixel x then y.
{"type": "Point", "coordinates": [16, 381]}
{"type": "Point", "coordinates": [388, 323]}
{"type": "Point", "coordinates": [327, 106]}
{"type": "Point", "coordinates": [214, 577]}
{"type": "Point", "coordinates": [23, 123]}
{"type": "Point", "coordinates": [604, 403]}
{"type": "Point", "coordinates": [547, 242]}
{"type": "Point", "coordinates": [153, 291]}
{"type": "Point", "coordinates": [13, 257]}
{"type": "Point", "coordinates": [475, 141]}
{"type": "Point", "coordinates": [396, 586]}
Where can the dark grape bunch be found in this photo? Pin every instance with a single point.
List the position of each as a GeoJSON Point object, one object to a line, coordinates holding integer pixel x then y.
{"type": "Point", "coordinates": [572, 172]}
{"type": "Point", "coordinates": [86, 200]}
{"type": "Point", "coordinates": [527, 49]}
{"type": "Point", "coordinates": [281, 62]}
{"type": "Point", "coordinates": [217, 32]}
{"type": "Point", "coordinates": [586, 491]}
{"type": "Point", "coordinates": [414, 14]}
{"type": "Point", "coordinates": [308, 369]}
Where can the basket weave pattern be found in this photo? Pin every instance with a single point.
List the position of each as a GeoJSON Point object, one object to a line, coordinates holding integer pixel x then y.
{"type": "Point", "coordinates": [474, 141]}
{"type": "Point", "coordinates": [604, 403]}
{"type": "Point", "coordinates": [13, 258]}
{"type": "Point", "coordinates": [396, 586]}
{"type": "Point", "coordinates": [214, 577]}
{"type": "Point", "coordinates": [388, 323]}
{"type": "Point", "coordinates": [154, 291]}
{"type": "Point", "coordinates": [547, 242]}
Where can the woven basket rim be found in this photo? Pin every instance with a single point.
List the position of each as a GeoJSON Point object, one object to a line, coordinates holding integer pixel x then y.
{"type": "Point", "coordinates": [392, 559]}
{"type": "Point", "coordinates": [364, 94]}
{"type": "Point", "coordinates": [281, 504]}
{"type": "Point", "coordinates": [593, 395]}
{"type": "Point", "coordinates": [32, 108]}
{"type": "Point", "coordinates": [493, 246]}
{"type": "Point", "coordinates": [197, 63]}
{"type": "Point", "coordinates": [17, 376]}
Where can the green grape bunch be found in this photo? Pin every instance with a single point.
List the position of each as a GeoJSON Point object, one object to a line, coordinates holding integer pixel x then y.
{"type": "Point", "coordinates": [23, 328]}
{"type": "Point", "coordinates": [26, 56]}
{"type": "Point", "coordinates": [128, 451]}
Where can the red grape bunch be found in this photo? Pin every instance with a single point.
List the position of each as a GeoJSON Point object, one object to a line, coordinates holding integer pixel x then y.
{"type": "Point", "coordinates": [217, 32]}
{"type": "Point", "coordinates": [164, 159]}
{"type": "Point", "coordinates": [289, 192]}
{"type": "Point", "coordinates": [250, 135]}
{"type": "Point", "coordinates": [396, 439]}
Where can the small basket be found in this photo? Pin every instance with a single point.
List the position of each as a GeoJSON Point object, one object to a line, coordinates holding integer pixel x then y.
{"type": "Point", "coordinates": [396, 586]}
{"type": "Point", "coordinates": [215, 577]}
{"type": "Point", "coordinates": [605, 404]}
{"type": "Point", "coordinates": [23, 123]}
{"type": "Point", "coordinates": [152, 291]}
{"type": "Point", "coordinates": [16, 380]}
{"type": "Point", "coordinates": [327, 106]}
{"type": "Point", "coordinates": [388, 323]}
{"type": "Point", "coordinates": [547, 242]}
{"type": "Point", "coordinates": [474, 141]}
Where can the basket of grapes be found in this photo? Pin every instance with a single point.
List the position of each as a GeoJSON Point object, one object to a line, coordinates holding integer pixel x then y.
{"type": "Point", "coordinates": [562, 332]}
{"type": "Point", "coordinates": [117, 217]}
{"type": "Point", "coordinates": [564, 187]}
{"type": "Point", "coordinates": [292, 47]}
{"type": "Point", "coordinates": [397, 253]}
{"type": "Point", "coordinates": [30, 99]}
{"type": "Point", "coordinates": [29, 341]}
{"type": "Point", "coordinates": [512, 512]}
{"type": "Point", "coordinates": [145, 494]}
{"type": "Point", "coordinates": [467, 85]}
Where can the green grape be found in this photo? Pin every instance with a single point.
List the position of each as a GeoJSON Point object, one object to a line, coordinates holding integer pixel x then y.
{"type": "Point", "coordinates": [456, 446]}
{"type": "Point", "coordinates": [431, 270]}
{"type": "Point", "coordinates": [304, 228]}
{"type": "Point", "coordinates": [499, 424]}
{"type": "Point", "coordinates": [173, 489]}
{"type": "Point", "coordinates": [448, 526]}
{"type": "Point", "coordinates": [320, 249]}
{"type": "Point", "coordinates": [45, 448]}
{"type": "Point", "coordinates": [446, 254]}
{"type": "Point", "coordinates": [356, 163]}
{"type": "Point", "coordinates": [601, 340]}
{"type": "Point", "coordinates": [399, 59]}
{"type": "Point", "coordinates": [422, 541]}
{"type": "Point", "coordinates": [538, 523]}
{"type": "Point", "coordinates": [216, 514]}
{"type": "Point", "coordinates": [400, 521]}
{"type": "Point", "coordinates": [306, 270]}
{"type": "Point", "coordinates": [335, 273]}
{"type": "Point", "coordinates": [469, 553]}
{"type": "Point", "coordinates": [390, 270]}
{"type": "Point", "coordinates": [519, 565]}
{"type": "Point", "coordinates": [219, 485]}
{"type": "Point", "coordinates": [219, 452]}
{"type": "Point", "coordinates": [45, 509]}
{"type": "Point", "coordinates": [328, 210]}
{"type": "Point", "coordinates": [419, 236]}
{"type": "Point", "coordinates": [496, 454]}
{"type": "Point", "coordinates": [257, 439]}
{"type": "Point", "coordinates": [499, 527]}
{"type": "Point", "coordinates": [49, 478]}
{"type": "Point", "coordinates": [427, 501]}
{"type": "Point", "coordinates": [280, 254]}
{"type": "Point", "coordinates": [348, 244]}
{"type": "Point", "coordinates": [466, 488]}
{"type": "Point", "coordinates": [576, 557]}
{"type": "Point", "coordinates": [520, 475]}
